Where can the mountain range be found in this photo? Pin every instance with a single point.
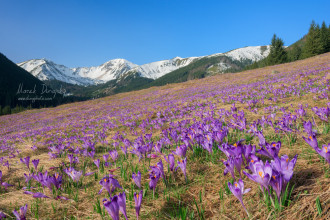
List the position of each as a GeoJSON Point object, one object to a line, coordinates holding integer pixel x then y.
{"type": "Point", "coordinates": [117, 70]}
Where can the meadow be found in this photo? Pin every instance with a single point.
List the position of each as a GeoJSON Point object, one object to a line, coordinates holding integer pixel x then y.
{"type": "Point", "coordinates": [248, 145]}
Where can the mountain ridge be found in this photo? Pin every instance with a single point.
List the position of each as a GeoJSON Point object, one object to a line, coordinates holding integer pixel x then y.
{"type": "Point", "coordinates": [115, 69]}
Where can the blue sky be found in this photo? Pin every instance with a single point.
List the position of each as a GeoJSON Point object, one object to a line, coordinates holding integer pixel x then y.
{"type": "Point", "coordinates": [89, 33]}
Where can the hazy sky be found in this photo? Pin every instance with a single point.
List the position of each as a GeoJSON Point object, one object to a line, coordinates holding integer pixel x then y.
{"type": "Point", "coordinates": [89, 33]}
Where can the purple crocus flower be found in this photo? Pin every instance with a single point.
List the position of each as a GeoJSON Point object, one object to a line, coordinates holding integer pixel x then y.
{"type": "Point", "coordinates": [76, 160]}
{"type": "Point", "coordinates": [248, 150]}
{"type": "Point", "coordinates": [186, 140]}
{"type": "Point", "coordinates": [270, 150]}
{"type": "Point", "coordinates": [6, 185]}
{"type": "Point", "coordinates": [220, 135]}
{"type": "Point", "coordinates": [148, 136]}
{"type": "Point", "coordinates": [105, 157]}
{"type": "Point", "coordinates": [26, 161]}
{"type": "Point", "coordinates": [183, 164]}
{"type": "Point", "coordinates": [233, 108]}
{"type": "Point", "coordinates": [114, 155]}
{"type": "Point", "coordinates": [153, 182]}
{"type": "Point", "coordinates": [21, 214]}
{"type": "Point", "coordinates": [2, 215]}
{"type": "Point", "coordinates": [112, 207]}
{"type": "Point", "coordinates": [124, 150]}
{"type": "Point", "coordinates": [138, 201]}
{"type": "Point", "coordinates": [28, 177]}
{"type": "Point", "coordinates": [36, 195]}
{"type": "Point", "coordinates": [284, 166]}
{"type": "Point", "coordinates": [308, 128]}
{"type": "Point", "coordinates": [238, 163]}
{"type": "Point", "coordinates": [35, 163]}
{"type": "Point", "coordinates": [40, 177]}
{"type": "Point", "coordinates": [158, 170]}
{"type": "Point", "coordinates": [181, 151]}
{"type": "Point", "coordinates": [238, 191]}
{"type": "Point", "coordinates": [97, 163]}
{"type": "Point", "coordinates": [235, 150]}
{"type": "Point", "coordinates": [312, 141]}
{"type": "Point", "coordinates": [301, 112]}
{"type": "Point", "coordinates": [158, 147]}
{"type": "Point", "coordinates": [261, 137]}
{"type": "Point", "coordinates": [70, 156]}
{"type": "Point", "coordinates": [225, 149]}
{"type": "Point", "coordinates": [56, 180]}
{"type": "Point", "coordinates": [230, 167]}
{"type": "Point", "coordinates": [260, 173]}
{"type": "Point", "coordinates": [137, 178]}
{"type": "Point", "coordinates": [109, 183]}
{"type": "Point", "coordinates": [122, 203]}
{"type": "Point", "coordinates": [276, 183]}
{"type": "Point", "coordinates": [170, 159]}
{"type": "Point", "coordinates": [89, 173]}
{"type": "Point", "coordinates": [161, 169]}
{"type": "Point", "coordinates": [324, 152]}
{"type": "Point", "coordinates": [74, 174]}
{"type": "Point", "coordinates": [207, 145]}
{"type": "Point", "coordinates": [91, 154]}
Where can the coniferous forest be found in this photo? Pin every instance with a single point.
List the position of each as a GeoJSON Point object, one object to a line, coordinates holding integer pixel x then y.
{"type": "Point", "coordinates": [315, 42]}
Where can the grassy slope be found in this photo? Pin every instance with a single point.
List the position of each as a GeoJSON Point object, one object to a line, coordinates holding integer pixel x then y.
{"type": "Point", "coordinates": [205, 173]}
{"type": "Point", "coordinates": [300, 43]}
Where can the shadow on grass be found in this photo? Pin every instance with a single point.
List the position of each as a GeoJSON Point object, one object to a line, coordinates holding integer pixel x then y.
{"type": "Point", "coordinates": [305, 178]}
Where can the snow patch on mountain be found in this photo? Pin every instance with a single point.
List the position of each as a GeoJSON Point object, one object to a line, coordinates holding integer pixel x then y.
{"type": "Point", "coordinates": [249, 53]}
{"type": "Point", "coordinates": [160, 68]}
{"type": "Point", "coordinates": [107, 71]}
{"type": "Point", "coordinates": [254, 53]}
{"type": "Point", "coordinates": [45, 69]}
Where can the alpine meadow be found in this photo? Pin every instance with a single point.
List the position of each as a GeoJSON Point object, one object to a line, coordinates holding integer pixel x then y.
{"type": "Point", "coordinates": [241, 133]}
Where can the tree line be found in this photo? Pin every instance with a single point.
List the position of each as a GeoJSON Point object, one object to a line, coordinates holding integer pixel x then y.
{"type": "Point", "coordinates": [317, 41]}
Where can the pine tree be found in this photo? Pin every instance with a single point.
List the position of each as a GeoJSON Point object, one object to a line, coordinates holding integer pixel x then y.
{"type": "Point", "coordinates": [277, 52]}
{"type": "Point", "coordinates": [295, 53]}
{"type": "Point", "coordinates": [324, 38]}
{"type": "Point", "coordinates": [313, 45]}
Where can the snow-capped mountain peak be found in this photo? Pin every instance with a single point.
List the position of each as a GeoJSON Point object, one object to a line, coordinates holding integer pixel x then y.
{"type": "Point", "coordinates": [45, 69]}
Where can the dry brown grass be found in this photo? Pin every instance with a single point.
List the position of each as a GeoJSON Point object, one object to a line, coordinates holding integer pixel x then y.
{"type": "Point", "coordinates": [309, 178]}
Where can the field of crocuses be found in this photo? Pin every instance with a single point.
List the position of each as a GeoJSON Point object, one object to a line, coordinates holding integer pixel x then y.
{"type": "Point", "coordinates": [252, 145]}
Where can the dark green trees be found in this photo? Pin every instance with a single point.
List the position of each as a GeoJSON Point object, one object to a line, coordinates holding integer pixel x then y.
{"type": "Point", "coordinates": [312, 45]}
{"type": "Point", "coordinates": [295, 53]}
{"type": "Point", "coordinates": [277, 52]}
{"type": "Point", "coordinates": [317, 40]}
{"type": "Point", "coordinates": [325, 38]}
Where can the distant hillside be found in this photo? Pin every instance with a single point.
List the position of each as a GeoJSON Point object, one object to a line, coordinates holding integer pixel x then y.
{"type": "Point", "coordinates": [19, 89]}
{"type": "Point", "coordinates": [300, 43]}
{"type": "Point", "coordinates": [11, 77]}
